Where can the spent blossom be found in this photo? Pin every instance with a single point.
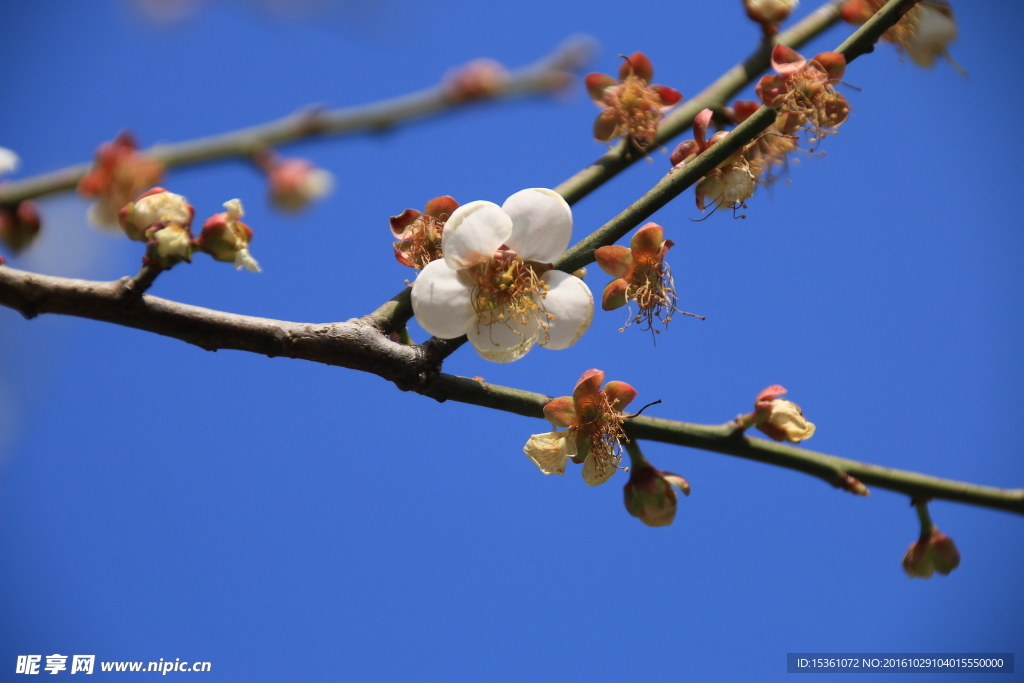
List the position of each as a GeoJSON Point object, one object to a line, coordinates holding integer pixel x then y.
{"type": "Point", "coordinates": [419, 233]}
{"type": "Point", "coordinates": [803, 91]}
{"type": "Point", "coordinates": [650, 493]}
{"type": "Point", "coordinates": [731, 182]}
{"type": "Point", "coordinates": [226, 238]}
{"type": "Point", "coordinates": [163, 220]}
{"type": "Point", "coordinates": [934, 552]}
{"type": "Point", "coordinates": [769, 151]}
{"type": "Point", "coordinates": [641, 275]}
{"type": "Point", "coordinates": [593, 417]}
{"type": "Point", "coordinates": [778, 418]}
{"type": "Point", "coordinates": [119, 172]}
{"type": "Point", "coordinates": [493, 282]}
{"type": "Point", "coordinates": [923, 33]}
{"type": "Point", "coordinates": [631, 106]}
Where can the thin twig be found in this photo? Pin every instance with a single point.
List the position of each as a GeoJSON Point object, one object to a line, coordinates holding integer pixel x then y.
{"type": "Point", "coordinates": [545, 76]}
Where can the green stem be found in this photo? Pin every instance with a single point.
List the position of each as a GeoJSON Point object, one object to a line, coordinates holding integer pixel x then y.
{"type": "Point", "coordinates": [925, 518]}
{"type": "Point", "coordinates": [727, 440]}
{"type": "Point", "coordinates": [636, 457]}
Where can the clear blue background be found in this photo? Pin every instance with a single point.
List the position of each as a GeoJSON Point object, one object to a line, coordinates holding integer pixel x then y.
{"type": "Point", "coordinates": [290, 521]}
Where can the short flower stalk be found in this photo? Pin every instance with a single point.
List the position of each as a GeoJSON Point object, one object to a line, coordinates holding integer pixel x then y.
{"type": "Point", "coordinates": [631, 106]}
{"type": "Point", "coordinates": [642, 277]}
{"type": "Point", "coordinates": [650, 493]}
{"type": "Point", "coordinates": [494, 283]}
{"type": "Point", "coordinates": [418, 233]}
{"type": "Point", "coordinates": [778, 418]}
{"type": "Point", "coordinates": [932, 552]}
{"type": "Point", "coordinates": [593, 434]}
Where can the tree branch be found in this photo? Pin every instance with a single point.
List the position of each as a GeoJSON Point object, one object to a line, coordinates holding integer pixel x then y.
{"type": "Point", "coordinates": [545, 76]}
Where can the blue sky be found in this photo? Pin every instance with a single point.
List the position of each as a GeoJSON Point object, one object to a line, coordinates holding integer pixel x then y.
{"type": "Point", "coordinates": [290, 521]}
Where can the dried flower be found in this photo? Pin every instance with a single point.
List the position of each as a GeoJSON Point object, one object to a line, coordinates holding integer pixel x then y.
{"type": "Point", "coordinates": [119, 172]}
{"type": "Point", "coordinates": [778, 418]}
{"type": "Point", "coordinates": [641, 276]}
{"type": "Point", "coordinates": [419, 234]}
{"type": "Point", "coordinates": [492, 283]}
{"type": "Point", "coordinates": [651, 493]}
{"type": "Point", "coordinates": [226, 238]}
{"type": "Point", "coordinates": [803, 92]}
{"type": "Point", "coordinates": [769, 151]}
{"type": "Point", "coordinates": [594, 418]}
{"type": "Point", "coordinates": [632, 107]}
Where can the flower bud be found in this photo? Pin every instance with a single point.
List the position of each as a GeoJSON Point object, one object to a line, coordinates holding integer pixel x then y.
{"type": "Point", "coordinates": [19, 225]}
{"type": "Point", "coordinates": [769, 11]}
{"type": "Point", "coordinates": [780, 419]}
{"type": "Point", "coordinates": [295, 183]}
{"type": "Point", "coordinates": [475, 80]}
{"type": "Point", "coordinates": [650, 495]}
{"type": "Point", "coordinates": [155, 207]}
{"type": "Point", "coordinates": [935, 553]}
{"type": "Point", "coordinates": [226, 238]}
{"type": "Point", "coordinates": [8, 161]}
{"type": "Point", "coordinates": [168, 245]}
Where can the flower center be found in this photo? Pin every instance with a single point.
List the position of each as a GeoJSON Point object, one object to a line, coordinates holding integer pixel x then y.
{"type": "Point", "coordinates": [509, 292]}
{"type": "Point", "coordinates": [422, 242]}
{"type": "Point", "coordinates": [637, 106]}
{"type": "Point", "coordinates": [601, 424]}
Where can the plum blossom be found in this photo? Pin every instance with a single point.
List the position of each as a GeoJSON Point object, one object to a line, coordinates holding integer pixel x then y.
{"type": "Point", "coordinates": [782, 420]}
{"type": "Point", "coordinates": [226, 238]}
{"type": "Point", "coordinates": [923, 33]}
{"type": "Point", "coordinates": [594, 419]}
{"type": "Point", "coordinates": [119, 172]}
{"type": "Point", "coordinates": [769, 12]}
{"type": "Point", "coordinates": [731, 182]}
{"type": "Point", "coordinates": [163, 220]}
{"type": "Point", "coordinates": [631, 106]}
{"type": "Point", "coordinates": [419, 233]}
{"type": "Point", "coordinates": [803, 91]}
{"type": "Point", "coordinates": [493, 284]}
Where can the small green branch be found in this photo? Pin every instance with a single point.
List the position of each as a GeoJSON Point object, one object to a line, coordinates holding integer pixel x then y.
{"type": "Point", "coordinates": [925, 519]}
{"type": "Point", "coordinates": [727, 440]}
{"type": "Point", "coordinates": [636, 456]}
{"type": "Point", "coordinates": [544, 76]}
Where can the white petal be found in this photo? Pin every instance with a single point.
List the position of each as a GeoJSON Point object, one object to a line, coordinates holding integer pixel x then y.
{"type": "Point", "coordinates": [243, 259]}
{"type": "Point", "coordinates": [572, 304]}
{"type": "Point", "coordinates": [933, 33]}
{"type": "Point", "coordinates": [160, 207]}
{"type": "Point", "coordinates": [505, 340]}
{"type": "Point", "coordinates": [234, 207]}
{"type": "Point", "coordinates": [473, 233]}
{"type": "Point", "coordinates": [317, 184]}
{"type": "Point", "coordinates": [598, 469]}
{"type": "Point", "coordinates": [8, 161]}
{"type": "Point", "coordinates": [441, 301]}
{"type": "Point", "coordinates": [99, 216]}
{"type": "Point", "coordinates": [541, 224]}
{"type": "Point", "coordinates": [550, 452]}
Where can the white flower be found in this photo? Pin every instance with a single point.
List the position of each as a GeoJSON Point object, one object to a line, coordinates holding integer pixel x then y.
{"type": "Point", "coordinates": [935, 30]}
{"type": "Point", "coordinates": [8, 161]}
{"type": "Point", "coordinates": [484, 286]}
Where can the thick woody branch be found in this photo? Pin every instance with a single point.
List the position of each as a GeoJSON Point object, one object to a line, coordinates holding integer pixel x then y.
{"type": "Point", "coordinates": [357, 344]}
{"type": "Point", "coordinates": [545, 76]}
{"type": "Point", "coordinates": [360, 344]}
